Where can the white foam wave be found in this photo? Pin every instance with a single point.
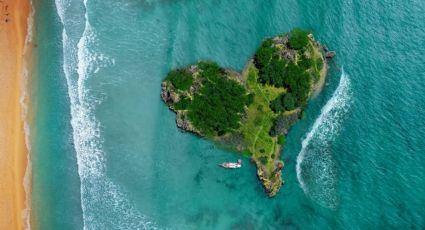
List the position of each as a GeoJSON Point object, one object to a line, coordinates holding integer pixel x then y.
{"type": "Point", "coordinates": [315, 167]}
{"type": "Point", "coordinates": [24, 105]}
{"type": "Point", "coordinates": [103, 203]}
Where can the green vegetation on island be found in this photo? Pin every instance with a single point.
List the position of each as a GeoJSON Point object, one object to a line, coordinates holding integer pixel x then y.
{"type": "Point", "coordinates": [250, 112]}
{"type": "Point", "coordinates": [218, 107]}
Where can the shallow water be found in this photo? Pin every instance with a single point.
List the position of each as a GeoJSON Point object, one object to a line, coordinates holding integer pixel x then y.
{"type": "Point", "coordinates": [107, 154]}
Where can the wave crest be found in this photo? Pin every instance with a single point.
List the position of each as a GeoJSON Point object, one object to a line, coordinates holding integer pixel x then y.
{"type": "Point", "coordinates": [103, 203]}
{"type": "Point", "coordinates": [316, 171]}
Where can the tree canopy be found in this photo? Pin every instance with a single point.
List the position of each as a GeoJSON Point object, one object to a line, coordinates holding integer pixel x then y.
{"type": "Point", "coordinates": [298, 82]}
{"type": "Point", "coordinates": [298, 39]}
{"type": "Point", "coordinates": [180, 78]}
{"type": "Point", "coordinates": [219, 105]}
{"type": "Point", "coordinates": [273, 73]}
{"type": "Point", "coordinates": [284, 102]}
{"type": "Point", "coordinates": [291, 73]}
{"type": "Point", "coordinates": [264, 54]}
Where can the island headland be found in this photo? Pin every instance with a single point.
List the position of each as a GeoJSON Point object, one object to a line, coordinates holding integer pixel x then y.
{"type": "Point", "coordinates": [251, 112]}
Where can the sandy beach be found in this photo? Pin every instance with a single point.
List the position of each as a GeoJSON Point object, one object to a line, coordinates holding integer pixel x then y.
{"type": "Point", "coordinates": [13, 151]}
{"type": "Point", "coordinates": [321, 82]}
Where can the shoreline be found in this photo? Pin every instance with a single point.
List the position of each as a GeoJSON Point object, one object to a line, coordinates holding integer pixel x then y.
{"type": "Point", "coordinates": [14, 159]}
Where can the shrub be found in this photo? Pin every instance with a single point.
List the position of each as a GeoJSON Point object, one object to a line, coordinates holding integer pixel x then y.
{"type": "Point", "coordinates": [301, 89]}
{"type": "Point", "coordinates": [281, 140]}
{"type": "Point", "coordinates": [181, 79]}
{"type": "Point", "coordinates": [182, 104]}
{"type": "Point", "coordinates": [298, 39]}
{"type": "Point", "coordinates": [283, 102]}
{"type": "Point", "coordinates": [319, 64]}
{"type": "Point", "coordinates": [246, 153]}
{"type": "Point", "coordinates": [210, 70]}
{"type": "Point", "coordinates": [276, 105]}
{"type": "Point", "coordinates": [292, 76]}
{"type": "Point", "coordinates": [250, 99]}
{"type": "Point", "coordinates": [298, 82]}
{"type": "Point", "coordinates": [264, 54]}
{"type": "Point", "coordinates": [305, 63]}
{"type": "Point", "coordinates": [274, 73]}
{"type": "Point", "coordinates": [263, 160]}
{"type": "Point", "coordinates": [289, 102]}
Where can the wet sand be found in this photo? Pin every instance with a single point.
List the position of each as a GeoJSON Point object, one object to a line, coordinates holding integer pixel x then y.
{"type": "Point", "coordinates": [13, 151]}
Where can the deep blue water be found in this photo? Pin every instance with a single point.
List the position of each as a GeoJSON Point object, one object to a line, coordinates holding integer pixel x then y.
{"type": "Point", "coordinates": [107, 154]}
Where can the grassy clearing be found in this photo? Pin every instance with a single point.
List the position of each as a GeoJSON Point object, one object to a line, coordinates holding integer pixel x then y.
{"type": "Point", "coordinates": [317, 59]}
{"type": "Point", "coordinates": [259, 120]}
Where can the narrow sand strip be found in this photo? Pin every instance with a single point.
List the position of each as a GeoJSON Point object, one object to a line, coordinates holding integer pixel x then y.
{"type": "Point", "coordinates": [13, 151]}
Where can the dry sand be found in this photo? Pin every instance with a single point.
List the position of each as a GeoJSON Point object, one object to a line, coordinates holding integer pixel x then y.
{"type": "Point", "coordinates": [321, 82]}
{"type": "Point", "coordinates": [13, 151]}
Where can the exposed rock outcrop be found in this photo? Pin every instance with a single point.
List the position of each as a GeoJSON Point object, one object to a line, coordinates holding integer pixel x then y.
{"type": "Point", "coordinates": [330, 54]}
{"type": "Point", "coordinates": [271, 183]}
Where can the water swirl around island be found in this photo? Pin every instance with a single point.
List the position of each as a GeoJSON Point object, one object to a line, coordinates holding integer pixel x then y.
{"type": "Point", "coordinates": [315, 157]}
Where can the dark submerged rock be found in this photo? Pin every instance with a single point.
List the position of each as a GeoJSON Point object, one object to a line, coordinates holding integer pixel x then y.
{"type": "Point", "coordinates": [330, 54]}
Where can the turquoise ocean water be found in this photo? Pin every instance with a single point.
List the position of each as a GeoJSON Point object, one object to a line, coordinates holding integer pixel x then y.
{"type": "Point", "coordinates": [107, 155]}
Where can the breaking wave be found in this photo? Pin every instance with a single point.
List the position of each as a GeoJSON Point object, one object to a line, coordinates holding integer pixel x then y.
{"type": "Point", "coordinates": [316, 171]}
{"type": "Point", "coordinates": [24, 105]}
{"type": "Point", "coordinates": [103, 204]}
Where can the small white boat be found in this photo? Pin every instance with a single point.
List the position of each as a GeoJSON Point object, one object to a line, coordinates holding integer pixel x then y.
{"type": "Point", "coordinates": [232, 165]}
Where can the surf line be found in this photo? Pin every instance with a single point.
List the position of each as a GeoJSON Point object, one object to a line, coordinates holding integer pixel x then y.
{"type": "Point", "coordinates": [24, 102]}
{"type": "Point", "coordinates": [326, 127]}
{"type": "Point", "coordinates": [104, 204]}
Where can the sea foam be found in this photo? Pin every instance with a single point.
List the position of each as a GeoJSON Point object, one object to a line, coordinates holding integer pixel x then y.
{"type": "Point", "coordinates": [24, 105]}
{"type": "Point", "coordinates": [316, 171]}
{"type": "Point", "coordinates": [104, 204]}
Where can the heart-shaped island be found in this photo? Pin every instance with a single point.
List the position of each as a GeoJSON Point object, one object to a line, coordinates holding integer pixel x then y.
{"type": "Point", "coordinates": [251, 112]}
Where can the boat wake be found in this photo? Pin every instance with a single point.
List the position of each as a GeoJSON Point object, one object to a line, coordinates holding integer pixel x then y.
{"type": "Point", "coordinates": [316, 171]}
{"type": "Point", "coordinates": [104, 204]}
